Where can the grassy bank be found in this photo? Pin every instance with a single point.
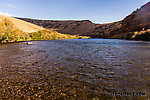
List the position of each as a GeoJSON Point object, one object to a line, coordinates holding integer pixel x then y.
{"type": "Point", "coordinates": [9, 33]}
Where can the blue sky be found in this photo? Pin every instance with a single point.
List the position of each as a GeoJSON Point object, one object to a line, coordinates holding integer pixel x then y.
{"type": "Point", "coordinates": [98, 11]}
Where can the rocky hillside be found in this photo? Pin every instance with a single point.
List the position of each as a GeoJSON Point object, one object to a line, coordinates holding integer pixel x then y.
{"type": "Point", "coordinates": [139, 20]}
{"type": "Point", "coordinates": [84, 27]}
{"type": "Point", "coordinates": [65, 27]}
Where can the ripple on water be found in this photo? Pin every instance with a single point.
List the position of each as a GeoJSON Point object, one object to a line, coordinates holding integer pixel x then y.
{"type": "Point", "coordinates": [74, 69]}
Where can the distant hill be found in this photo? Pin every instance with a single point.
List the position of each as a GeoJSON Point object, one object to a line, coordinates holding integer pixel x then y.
{"type": "Point", "coordinates": [65, 27]}
{"type": "Point", "coordinates": [139, 20]}
{"type": "Point", "coordinates": [83, 27]}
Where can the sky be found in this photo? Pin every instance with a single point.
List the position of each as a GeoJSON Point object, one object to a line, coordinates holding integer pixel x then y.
{"type": "Point", "coordinates": [98, 11]}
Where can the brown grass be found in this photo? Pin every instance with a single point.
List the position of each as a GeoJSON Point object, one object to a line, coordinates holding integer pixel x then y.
{"type": "Point", "coordinates": [22, 25]}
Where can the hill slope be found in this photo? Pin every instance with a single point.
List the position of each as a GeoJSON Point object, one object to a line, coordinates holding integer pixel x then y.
{"type": "Point", "coordinates": [12, 30]}
{"type": "Point", "coordinates": [65, 27]}
{"type": "Point", "coordinates": [139, 20]}
{"type": "Point", "coordinates": [22, 25]}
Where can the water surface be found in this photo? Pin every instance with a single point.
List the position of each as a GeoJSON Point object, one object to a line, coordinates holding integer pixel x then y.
{"type": "Point", "coordinates": [75, 69]}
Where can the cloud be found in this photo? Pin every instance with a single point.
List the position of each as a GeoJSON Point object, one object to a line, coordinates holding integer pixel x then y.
{"type": "Point", "coordinates": [11, 6]}
{"type": "Point", "coordinates": [5, 13]}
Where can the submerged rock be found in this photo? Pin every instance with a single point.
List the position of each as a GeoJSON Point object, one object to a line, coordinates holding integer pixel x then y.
{"type": "Point", "coordinates": [29, 43]}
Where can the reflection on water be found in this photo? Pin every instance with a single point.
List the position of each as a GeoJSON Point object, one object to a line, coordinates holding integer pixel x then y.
{"type": "Point", "coordinates": [75, 69]}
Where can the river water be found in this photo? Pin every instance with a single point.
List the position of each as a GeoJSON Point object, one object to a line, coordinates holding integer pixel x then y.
{"type": "Point", "coordinates": [81, 69]}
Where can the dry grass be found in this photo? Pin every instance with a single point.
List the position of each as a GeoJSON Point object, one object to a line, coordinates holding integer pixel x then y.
{"type": "Point", "coordinates": [22, 25]}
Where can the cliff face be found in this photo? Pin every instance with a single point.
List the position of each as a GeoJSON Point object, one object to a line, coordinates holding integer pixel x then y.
{"type": "Point", "coordinates": [139, 20]}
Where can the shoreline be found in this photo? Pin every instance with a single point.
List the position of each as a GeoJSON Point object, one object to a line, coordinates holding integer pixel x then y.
{"type": "Point", "coordinates": [80, 39]}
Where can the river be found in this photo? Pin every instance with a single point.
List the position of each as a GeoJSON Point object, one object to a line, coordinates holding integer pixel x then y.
{"type": "Point", "coordinates": [81, 69]}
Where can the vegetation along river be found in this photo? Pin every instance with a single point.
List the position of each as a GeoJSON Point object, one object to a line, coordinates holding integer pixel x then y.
{"type": "Point", "coordinates": [81, 69]}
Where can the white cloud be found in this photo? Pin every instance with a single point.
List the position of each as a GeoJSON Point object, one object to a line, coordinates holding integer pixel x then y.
{"type": "Point", "coordinates": [11, 6]}
{"type": "Point", "coordinates": [5, 13]}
